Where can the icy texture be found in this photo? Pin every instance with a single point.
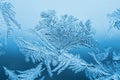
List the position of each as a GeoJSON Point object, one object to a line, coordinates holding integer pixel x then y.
{"type": "Point", "coordinates": [106, 69]}
{"type": "Point", "coordinates": [67, 31]}
{"type": "Point", "coordinates": [115, 19]}
{"type": "Point", "coordinates": [7, 20]}
{"type": "Point", "coordinates": [50, 43]}
{"type": "Point", "coordinates": [30, 74]}
{"type": "Point", "coordinates": [38, 53]}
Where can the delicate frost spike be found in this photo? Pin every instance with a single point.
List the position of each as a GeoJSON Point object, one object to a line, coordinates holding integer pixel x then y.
{"type": "Point", "coordinates": [78, 65]}
{"type": "Point", "coordinates": [34, 50]}
{"type": "Point", "coordinates": [63, 64]}
{"type": "Point", "coordinates": [30, 74]}
{"type": "Point", "coordinates": [117, 25]}
{"type": "Point", "coordinates": [66, 31]}
{"type": "Point", "coordinates": [115, 19]}
{"type": "Point", "coordinates": [108, 69]}
{"type": "Point", "coordinates": [94, 73]}
{"type": "Point", "coordinates": [43, 78]}
{"type": "Point", "coordinates": [88, 24]}
{"type": "Point", "coordinates": [47, 63]}
{"type": "Point", "coordinates": [101, 56]}
{"type": "Point", "coordinates": [8, 14]}
{"type": "Point", "coordinates": [74, 63]}
{"type": "Point", "coordinates": [48, 14]}
{"type": "Point", "coordinates": [7, 19]}
{"type": "Point", "coordinates": [37, 53]}
{"type": "Point", "coordinates": [116, 56]}
{"type": "Point", "coordinates": [31, 51]}
{"type": "Point", "coordinates": [44, 42]}
{"type": "Point", "coordinates": [11, 75]}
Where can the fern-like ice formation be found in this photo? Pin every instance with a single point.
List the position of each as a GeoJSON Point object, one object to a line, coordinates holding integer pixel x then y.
{"type": "Point", "coordinates": [67, 31]}
{"type": "Point", "coordinates": [7, 20]}
{"type": "Point", "coordinates": [30, 74]}
{"type": "Point", "coordinates": [107, 64]}
{"type": "Point", "coordinates": [50, 44]}
{"type": "Point", "coordinates": [54, 38]}
{"type": "Point", "coordinates": [115, 19]}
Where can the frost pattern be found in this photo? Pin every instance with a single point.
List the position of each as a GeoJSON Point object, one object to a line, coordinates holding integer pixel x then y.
{"type": "Point", "coordinates": [52, 38]}
{"type": "Point", "coordinates": [30, 74]}
{"type": "Point", "coordinates": [7, 19]}
{"type": "Point", "coordinates": [60, 62]}
{"type": "Point", "coordinates": [106, 69]}
{"type": "Point", "coordinates": [115, 19]}
{"type": "Point", "coordinates": [67, 31]}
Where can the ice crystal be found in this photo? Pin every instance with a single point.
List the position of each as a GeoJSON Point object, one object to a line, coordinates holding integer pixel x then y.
{"type": "Point", "coordinates": [38, 53]}
{"type": "Point", "coordinates": [67, 31]}
{"type": "Point", "coordinates": [115, 19]}
{"type": "Point", "coordinates": [107, 68]}
{"type": "Point", "coordinates": [30, 74]}
{"type": "Point", "coordinates": [7, 19]}
{"type": "Point", "coordinates": [53, 39]}
{"type": "Point", "coordinates": [50, 44]}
